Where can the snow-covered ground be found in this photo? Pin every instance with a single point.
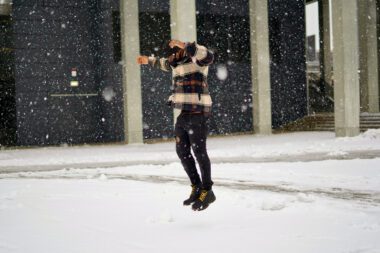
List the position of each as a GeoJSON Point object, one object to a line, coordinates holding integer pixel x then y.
{"type": "Point", "coordinates": [295, 146]}
{"type": "Point", "coordinates": [299, 192]}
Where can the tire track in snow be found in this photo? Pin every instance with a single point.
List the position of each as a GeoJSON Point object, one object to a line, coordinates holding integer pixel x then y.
{"type": "Point", "coordinates": [367, 197]}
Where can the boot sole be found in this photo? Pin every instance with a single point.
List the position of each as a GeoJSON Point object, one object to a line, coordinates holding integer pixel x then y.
{"type": "Point", "coordinates": [203, 207]}
{"type": "Point", "coordinates": [190, 203]}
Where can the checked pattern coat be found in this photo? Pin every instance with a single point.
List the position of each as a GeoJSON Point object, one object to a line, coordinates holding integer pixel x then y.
{"type": "Point", "coordinates": [189, 68]}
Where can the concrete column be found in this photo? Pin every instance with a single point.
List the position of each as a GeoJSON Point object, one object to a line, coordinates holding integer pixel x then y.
{"type": "Point", "coordinates": [260, 67]}
{"type": "Point", "coordinates": [369, 75]}
{"type": "Point", "coordinates": [183, 24]}
{"type": "Point", "coordinates": [346, 66]}
{"type": "Point", "coordinates": [5, 7]}
{"type": "Point", "coordinates": [325, 44]}
{"type": "Point", "coordinates": [133, 128]}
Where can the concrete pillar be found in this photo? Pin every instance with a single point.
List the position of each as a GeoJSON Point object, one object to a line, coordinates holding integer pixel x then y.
{"type": "Point", "coordinates": [183, 24]}
{"type": "Point", "coordinates": [346, 66]}
{"type": "Point", "coordinates": [369, 75]}
{"type": "Point", "coordinates": [260, 67]}
{"type": "Point", "coordinates": [5, 7]}
{"type": "Point", "coordinates": [325, 44]}
{"type": "Point", "coordinates": [183, 20]}
{"type": "Point", "coordinates": [133, 128]}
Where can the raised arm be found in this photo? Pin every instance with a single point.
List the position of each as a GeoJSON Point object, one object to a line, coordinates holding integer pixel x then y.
{"type": "Point", "coordinates": [201, 54]}
{"type": "Point", "coordinates": [160, 63]}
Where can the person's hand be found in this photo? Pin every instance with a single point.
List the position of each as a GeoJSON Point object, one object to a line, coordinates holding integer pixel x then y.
{"type": "Point", "coordinates": [177, 43]}
{"type": "Point", "coordinates": [142, 59]}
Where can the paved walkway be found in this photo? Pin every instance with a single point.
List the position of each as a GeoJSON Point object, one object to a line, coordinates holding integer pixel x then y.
{"type": "Point", "coordinates": [309, 157]}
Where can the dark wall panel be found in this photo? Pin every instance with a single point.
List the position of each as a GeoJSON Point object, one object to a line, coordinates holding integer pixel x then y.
{"type": "Point", "coordinates": [288, 63]}
{"type": "Point", "coordinates": [7, 84]}
{"type": "Point", "coordinates": [156, 85]}
{"type": "Point", "coordinates": [72, 125]}
{"type": "Point", "coordinates": [157, 116]}
{"type": "Point", "coordinates": [51, 38]}
{"type": "Point", "coordinates": [32, 118]}
{"type": "Point", "coordinates": [226, 32]}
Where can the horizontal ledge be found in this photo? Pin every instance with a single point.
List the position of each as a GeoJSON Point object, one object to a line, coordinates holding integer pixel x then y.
{"type": "Point", "coordinates": [75, 95]}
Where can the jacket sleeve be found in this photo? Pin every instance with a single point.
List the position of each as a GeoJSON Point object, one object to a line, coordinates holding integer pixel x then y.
{"type": "Point", "coordinates": [159, 63]}
{"type": "Point", "coordinates": [202, 55]}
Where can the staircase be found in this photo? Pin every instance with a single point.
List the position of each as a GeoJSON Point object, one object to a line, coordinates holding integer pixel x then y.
{"type": "Point", "coordinates": [369, 121]}
{"type": "Point", "coordinates": [325, 122]}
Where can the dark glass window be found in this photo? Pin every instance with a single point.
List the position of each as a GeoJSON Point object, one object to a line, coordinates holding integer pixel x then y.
{"type": "Point", "coordinates": [154, 26]}
{"type": "Point", "coordinates": [7, 83]}
{"type": "Point", "coordinates": [224, 27]}
{"type": "Point", "coordinates": [154, 32]}
{"type": "Point", "coordinates": [116, 37]}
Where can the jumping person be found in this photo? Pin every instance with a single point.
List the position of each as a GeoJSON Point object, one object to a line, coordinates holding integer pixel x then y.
{"type": "Point", "coordinates": [189, 65]}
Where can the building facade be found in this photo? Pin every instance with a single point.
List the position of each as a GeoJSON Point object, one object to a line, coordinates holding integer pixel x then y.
{"type": "Point", "coordinates": [68, 71]}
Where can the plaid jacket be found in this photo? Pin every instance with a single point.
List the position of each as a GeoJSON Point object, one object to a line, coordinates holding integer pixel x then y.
{"type": "Point", "coordinates": [189, 69]}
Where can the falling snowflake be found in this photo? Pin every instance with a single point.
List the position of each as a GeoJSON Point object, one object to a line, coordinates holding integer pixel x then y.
{"type": "Point", "coordinates": [222, 72]}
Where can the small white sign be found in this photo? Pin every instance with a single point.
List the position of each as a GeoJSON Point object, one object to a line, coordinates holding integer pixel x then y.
{"type": "Point", "coordinates": [74, 73]}
{"type": "Point", "coordinates": [74, 83]}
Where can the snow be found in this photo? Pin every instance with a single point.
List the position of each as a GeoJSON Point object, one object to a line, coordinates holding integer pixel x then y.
{"type": "Point", "coordinates": [244, 148]}
{"type": "Point", "coordinates": [108, 94]}
{"type": "Point", "coordinates": [298, 192]}
{"type": "Point", "coordinates": [221, 72]}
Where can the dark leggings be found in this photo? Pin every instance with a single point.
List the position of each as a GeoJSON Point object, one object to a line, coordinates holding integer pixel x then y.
{"type": "Point", "coordinates": [191, 133]}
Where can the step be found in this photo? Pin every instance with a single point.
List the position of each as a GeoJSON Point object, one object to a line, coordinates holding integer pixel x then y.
{"type": "Point", "coordinates": [326, 122]}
